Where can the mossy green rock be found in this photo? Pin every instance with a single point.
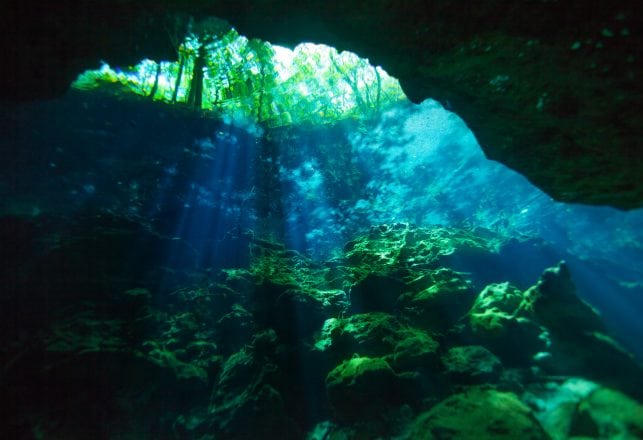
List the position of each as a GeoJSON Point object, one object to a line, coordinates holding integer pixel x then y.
{"type": "Point", "coordinates": [481, 414]}
{"type": "Point", "coordinates": [366, 334]}
{"type": "Point", "coordinates": [388, 248]}
{"type": "Point", "coordinates": [362, 387]}
{"type": "Point", "coordinates": [610, 414]}
{"type": "Point", "coordinates": [502, 320]}
{"type": "Point", "coordinates": [246, 401]}
{"type": "Point", "coordinates": [471, 364]}
{"type": "Point", "coordinates": [580, 344]}
{"type": "Point", "coordinates": [380, 335]}
{"type": "Point", "coordinates": [558, 307]}
{"type": "Point", "coordinates": [417, 352]}
{"type": "Point", "coordinates": [439, 306]}
{"type": "Point", "coordinates": [496, 301]}
{"type": "Point", "coordinates": [380, 249]}
{"type": "Point", "coordinates": [578, 408]}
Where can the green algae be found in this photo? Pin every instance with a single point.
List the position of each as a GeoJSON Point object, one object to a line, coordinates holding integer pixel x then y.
{"type": "Point", "coordinates": [279, 348]}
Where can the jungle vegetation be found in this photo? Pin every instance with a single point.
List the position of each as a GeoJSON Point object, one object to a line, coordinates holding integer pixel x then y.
{"type": "Point", "coordinates": [221, 72]}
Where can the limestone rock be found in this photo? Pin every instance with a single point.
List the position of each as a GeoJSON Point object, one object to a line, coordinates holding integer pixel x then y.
{"type": "Point", "coordinates": [479, 414]}
{"type": "Point", "coordinates": [471, 364]}
{"type": "Point", "coordinates": [417, 352]}
{"type": "Point", "coordinates": [611, 413]}
{"type": "Point", "coordinates": [580, 344]}
{"type": "Point", "coordinates": [441, 305]}
{"type": "Point", "coordinates": [380, 335]}
{"type": "Point", "coordinates": [557, 306]}
{"type": "Point", "coordinates": [577, 408]}
{"type": "Point", "coordinates": [246, 402]}
{"type": "Point", "coordinates": [362, 387]}
{"type": "Point", "coordinates": [366, 334]}
{"type": "Point", "coordinates": [388, 248]}
{"type": "Point", "coordinates": [501, 320]}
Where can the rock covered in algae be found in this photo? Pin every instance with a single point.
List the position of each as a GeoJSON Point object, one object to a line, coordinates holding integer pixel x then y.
{"type": "Point", "coordinates": [580, 344]}
{"type": "Point", "coordinates": [471, 364]}
{"type": "Point", "coordinates": [501, 319]}
{"type": "Point", "coordinates": [550, 326]}
{"type": "Point", "coordinates": [578, 408]}
{"type": "Point", "coordinates": [366, 334]}
{"type": "Point", "coordinates": [246, 401]}
{"type": "Point", "coordinates": [612, 412]}
{"type": "Point", "coordinates": [378, 335]}
{"type": "Point", "coordinates": [252, 345]}
{"type": "Point", "coordinates": [417, 352]}
{"type": "Point", "coordinates": [479, 413]}
{"type": "Point", "coordinates": [439, 306]}
{"type": "Point", "coordinates": [558, 307]}
{"type": "Point", "coordinates": [362, 387]}
{"type": "Point", "coordinates": [389, 248]}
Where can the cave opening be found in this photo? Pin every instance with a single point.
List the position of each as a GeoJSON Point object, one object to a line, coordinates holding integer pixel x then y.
{"type": "Point", "coordinates": [226, 75]}
{"type": "Point", "coordinates": [270, 232]}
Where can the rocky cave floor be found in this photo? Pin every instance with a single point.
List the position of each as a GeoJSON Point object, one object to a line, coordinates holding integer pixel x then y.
{"type": "Point", "coordinates": [103, 338]}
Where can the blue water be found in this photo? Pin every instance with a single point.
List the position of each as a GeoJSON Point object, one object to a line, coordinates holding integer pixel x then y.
{"type": "Point", "coordinates": [423, 165]}
{"type": "Point", "coordinates": [212, 183]}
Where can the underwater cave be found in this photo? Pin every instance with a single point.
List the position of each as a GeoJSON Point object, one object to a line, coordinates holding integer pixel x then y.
{"type": "Point", "coordinates": [211, 236]}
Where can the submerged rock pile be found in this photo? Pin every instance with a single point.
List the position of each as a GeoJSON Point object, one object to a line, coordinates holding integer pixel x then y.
{"type": "Point", "coordinates": [395, 338]}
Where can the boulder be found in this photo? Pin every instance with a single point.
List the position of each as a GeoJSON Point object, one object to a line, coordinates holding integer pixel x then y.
{"type": "Point", "coordinates": [480, 414]}
{"type": "Point", "coordinates": [379, 335]}
{"type": "Point", "coordinates": [363, 387]}
{"type": "Point", "coordinates": [578, 408]}
{"type": "Point", "coordinates": [471, 364]}
{"type": "Point", "coordinates": [609, 414]}
{"type": "Point", "coordinates": [366, 334]}
{"type": "Point", "coordinates": [501, 320]}
{"type": "Point", "coordinates": [417, 352]}
{"type": "Point", "coordinates": [246, 401]}
{"type": "Point", "coordinates": [580, 344]}
{"type": "Point", "coordinates": [439, 306]}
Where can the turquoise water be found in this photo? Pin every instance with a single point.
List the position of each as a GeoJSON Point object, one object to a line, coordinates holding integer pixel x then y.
{"type": "Point", "coordinates": [171, 275]}
{"type": "Point", "coordinates": [311, 188]}
{"type": "Point", "coordinates": [422, 165]}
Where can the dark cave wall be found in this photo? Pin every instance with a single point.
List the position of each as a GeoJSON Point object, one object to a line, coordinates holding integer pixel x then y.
{"type": "Point", "coordinates": [550, 88]}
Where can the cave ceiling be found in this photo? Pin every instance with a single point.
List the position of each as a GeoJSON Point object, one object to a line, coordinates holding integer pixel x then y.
{"type": "Point", "coordinates": [550, 88]}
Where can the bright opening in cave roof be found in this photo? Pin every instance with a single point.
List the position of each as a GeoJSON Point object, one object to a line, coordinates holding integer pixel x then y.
{"type": "Point", "coordinates": [229, 74]}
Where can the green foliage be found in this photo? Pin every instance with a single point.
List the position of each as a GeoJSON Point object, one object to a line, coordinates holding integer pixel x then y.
{"type": "Point", "coordinates": [219, 71]}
